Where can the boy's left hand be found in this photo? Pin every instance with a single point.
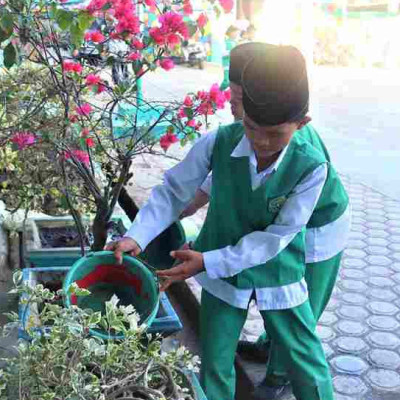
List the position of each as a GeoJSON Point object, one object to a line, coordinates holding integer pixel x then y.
{"type": "Point", "coordinates": [191, 263]}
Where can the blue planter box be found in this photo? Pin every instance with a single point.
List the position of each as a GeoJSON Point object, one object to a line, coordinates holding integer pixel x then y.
{"type": "Point", "coordinates": [165, 323]}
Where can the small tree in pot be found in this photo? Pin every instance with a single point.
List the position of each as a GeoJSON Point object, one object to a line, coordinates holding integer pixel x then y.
{"type": "Point", "coordinates": [61, 141]}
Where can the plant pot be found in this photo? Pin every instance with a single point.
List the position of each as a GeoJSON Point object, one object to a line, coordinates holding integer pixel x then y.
{"type": "Point", "coordinates": [165, 323]}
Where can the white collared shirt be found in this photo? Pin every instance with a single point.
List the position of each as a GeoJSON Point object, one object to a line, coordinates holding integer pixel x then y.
{"type": "Point", "coordinates": [168, 200]}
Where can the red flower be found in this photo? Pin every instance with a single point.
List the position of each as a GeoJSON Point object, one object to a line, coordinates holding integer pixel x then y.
{"type": "Point", "coordinates": [172, 29]}
{"type": "Point", "coordinates": [202, 20]}
{"type": "Point", "coordinates": [85, 132]}
{"type": "Point", "coordinates": [188, 102]}
{"type": "Point", "coordinates": [227, 94]}
{"type": "Point", "coordinates": [227, 5]}
{"type": "Point", "coordinates": [134, 56]}
{"type": "Point", "coordinates": [202, 95]}
{"type": "Point", "coordinates": [85, 109]}
{"type": "Point", "coordinates": [96, 5]}
{"type": "Point", "coordinates": [73, 118]}
{"type": "Point", "coordinates": [89, 142]}
{"type": "Point", "coordinates": [101, 88]}
{"type": "Point", "coordinates": [137, 44]}
{"type": "Point", "coordinates": [79, 155]}
{"type": "Point", "coordinates": [23, 139]}
{"type": "Point", "coordinates": [94, 36]}
{"type": "Point", "coordinates": [71, 66]}
{"type": "Point", "coordinates": [93, 79]}
{"type": "Point", "coordinates": [167, 140]}
{"type": "Point", "coordinates": [167, 64]}
{"type": "Point", "coordinates": [187, 7]}
{"type": "Point", "coordinates": [191, 123]}
{"type": "Point", "coordinates": [150, 3]}
{"type": "Point", "coordinates": [181, 113]}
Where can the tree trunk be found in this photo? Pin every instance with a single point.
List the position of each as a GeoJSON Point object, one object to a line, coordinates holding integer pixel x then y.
{"type": "Point", "coordinates": [127, 204]}
{"type": "Point", "coordinates": [100, 229]}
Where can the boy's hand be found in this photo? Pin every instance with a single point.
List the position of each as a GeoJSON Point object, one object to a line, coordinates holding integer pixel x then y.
{"type": "Point", "coordinates": [125, 245]}
{"type": "Point", "coordinates": [191, 263]}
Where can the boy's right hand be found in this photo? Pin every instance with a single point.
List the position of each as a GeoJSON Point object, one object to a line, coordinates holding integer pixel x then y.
{"type": "Point", "coordinates": [125, 245]}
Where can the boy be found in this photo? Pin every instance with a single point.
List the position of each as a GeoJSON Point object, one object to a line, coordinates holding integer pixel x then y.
{"type": "Point", "coordinates": [266, 184]}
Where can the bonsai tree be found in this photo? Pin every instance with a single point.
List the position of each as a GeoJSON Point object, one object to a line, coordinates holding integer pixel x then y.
{"type": "Point", "coordinates": [70, 122]}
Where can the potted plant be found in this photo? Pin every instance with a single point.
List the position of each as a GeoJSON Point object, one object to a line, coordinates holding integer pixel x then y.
{"type": "Point", "coordinates": [68, 363]}
{"type": "Point", "coordinates": [63, 148]}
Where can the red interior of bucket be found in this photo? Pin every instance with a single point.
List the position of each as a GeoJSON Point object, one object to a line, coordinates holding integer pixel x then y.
{"type": "Point", "coordinates": [109, 273]}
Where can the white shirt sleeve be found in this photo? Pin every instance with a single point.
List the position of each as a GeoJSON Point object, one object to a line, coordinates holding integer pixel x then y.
{"type": "Point", "coordinates": [261, 246]}
{"type": "Point", "coordinates": [168, 200]}
{"type": "Point", "coordinates": [207, 184]}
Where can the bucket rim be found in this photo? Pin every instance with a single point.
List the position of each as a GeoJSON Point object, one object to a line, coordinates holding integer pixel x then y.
{"type": "Point", "coordinates": [132, 260]}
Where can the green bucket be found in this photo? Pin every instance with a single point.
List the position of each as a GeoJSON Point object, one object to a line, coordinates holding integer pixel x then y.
{"type": "Point", "coordinates": [132, 282]}
{"type": "Point", "coordinates": [157, 253]}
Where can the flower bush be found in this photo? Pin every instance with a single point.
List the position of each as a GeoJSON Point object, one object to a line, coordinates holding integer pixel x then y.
{"type": "Point", "coordinates": [61, 147]}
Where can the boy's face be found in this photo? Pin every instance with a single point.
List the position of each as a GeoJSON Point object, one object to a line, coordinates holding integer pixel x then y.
{"type": "Point", "coordinates": [236, 101]}
{"type": "Point", "coordinates": [269, 140]}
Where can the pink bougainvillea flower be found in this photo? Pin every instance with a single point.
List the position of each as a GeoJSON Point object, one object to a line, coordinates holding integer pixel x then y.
{"type": "Point", "coordinates": [71, 66]}
{"type": "Point", "coordinates": [150, 3]}
{"type": "Point", "coordinates": [100, 88]}
{"type": "Point", "coordinates": [96, 5]}
{"type": "Point", "coordinates": [188, 102]}
{"type": "Point", "coordinates": [85, 132]}
{"type": "Point", "coordinates": [134, 56]}
{"type": "Point", "coordinates": [94, 36]}
{"type": "Point", "coordinates": [227, 94]}
{"type": "Point", "coordinates": [227, 5]}
{"type": "Point", "coordinates": [93, 79]}
{"type": "Point", "coordinates": [90, 142]}
{"type": "Point", "coordinates": [191, 123]}
{"type": "Point", "coordinates": [202, 20]}
{"type": "Point", "coordinates": [79, 155]}
{"type": "Point", "coordinates": [167, 64]}
{"type": "Point", "coordinates": [202, 95]}
{"type": "Point", "coordinates": [173, 29]}
{"type": "Point", "coordinates": [167, 140]}
{"type": "Point", "coordinates": [73, 118]}
{"type": "Point", "coordinates": [181, 113]}
{"type": "Point", "coordinates": [85, 109]}
{"type": "Point", "coordinates": [187, 7]}
{"type": "Point", "coordinates": [137, 44]}
{"type": "Point", "coordinates": [217, 96]}
{"type": "Point", "coordinates": [23, 139]}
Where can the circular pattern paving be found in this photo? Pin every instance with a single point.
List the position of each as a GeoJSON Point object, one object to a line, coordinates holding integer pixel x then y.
{"type": "Point", "coordinates": [384, 379]}
{"type": "Point", "coordinates": [353, 328]}
{"type": "Point", "coordinates": [384, 359]}
{"type": "Point", "coordinates": [349, 365]}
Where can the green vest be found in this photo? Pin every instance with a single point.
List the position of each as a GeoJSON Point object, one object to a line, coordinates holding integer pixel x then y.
{"type": "Point", "coordinates": [236, 210]}
{"type": "Point", "coordinates": [333, 200]}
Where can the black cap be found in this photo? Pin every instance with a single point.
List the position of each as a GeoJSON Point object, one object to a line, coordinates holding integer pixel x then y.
{"type": "Point", "coordinates": [240, 56]}
{"type": "Point", "coordinates": [275, 86]}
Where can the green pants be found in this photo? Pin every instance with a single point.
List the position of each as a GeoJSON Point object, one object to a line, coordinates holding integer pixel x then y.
{"type": "Point", "coordinates": [292, 332]}
{"type": "Point", "coordinates": [320, 277]}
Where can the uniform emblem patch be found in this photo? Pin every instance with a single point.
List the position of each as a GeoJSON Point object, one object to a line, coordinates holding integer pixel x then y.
{"type": "Point", "coordinates": [274, 205]}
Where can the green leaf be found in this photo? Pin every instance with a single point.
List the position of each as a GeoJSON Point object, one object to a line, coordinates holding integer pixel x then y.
{"type": "Point", "coordinates": [85, 20]}
{"type": "Point", "coordinates": [17, 278]}
{"type": "Point", "coordinates": [64, 19]}
{"type": "Point", "coordinates": [10, 56]}
{"type": "Point", "coordinates": [4, 35]}
{"type": "Point", "coordinates": [77, 34]}
{"type": "Point", "coordinates": [7, 21]}
{"type": "Point", "coordinates": [95, 318]}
